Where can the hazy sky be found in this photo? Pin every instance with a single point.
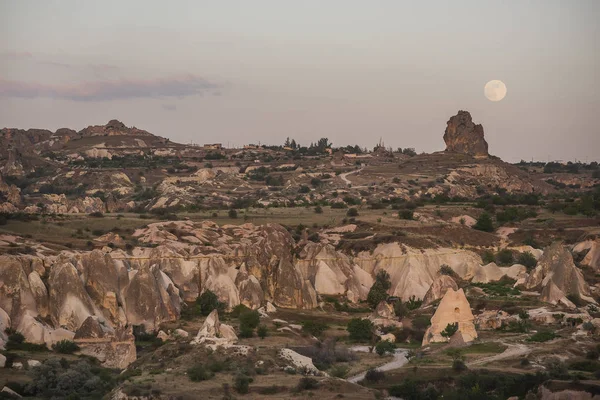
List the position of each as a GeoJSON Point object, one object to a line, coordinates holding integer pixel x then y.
{"type": "Point", "coordinates": [353, 71]}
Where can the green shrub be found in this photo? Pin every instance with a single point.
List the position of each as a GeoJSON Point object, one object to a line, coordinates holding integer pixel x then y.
{"type": "Point", "coordinates": [406, 214]}
{"type": "Point", "coordinates": [413, 303]}
{"type": "Point", "coordinates": [527, 259]}
{"type": "Point", "coordinates": [250, 318]}
{"type": "Point", "coordinates": [378, 291]}
{"type": "Point", "coordinates": [587, 365]}
{"type": "Point", "coordinates": [374, 376]}
{"type": "Point", "coordinates": [484, 223]}
{"type": "Point", "coordinates": [421, 322]}
{"type": "Point", "coordinates": [352, 212]}
{"type": "Point", "coordinates": [246, 331]}
{"type": "Point", "coordinates": [199, 373]}
{"type": "Point", "coordinates": [232, 214]}
{"type": "Point", "coordinates": [446, 270]}
{"type": "Point", "coordinates": [59, 379]}
{"type": "Point", "coordinates": [400, 309]}
{"type": "Point", "coordinates": [488, 257]}
{"type": "Point", "coordinates": [385, 346]}
{"type": "Point", "coordinates": [262, 331]}
{"type": "Point", "coordinates": [65, 347]}
{"type": "Point", "coordinates": [314, 328]}
{"type": "Point", "coordinates": [542, 336]}
{"type": "Point", "coordinates": [16, 341]}
{"type": "Point", "coordinates": [237, 310]}
{"type": "Point", "coordinates": [208, 301]}
{"type": "Point", "coordinates": [241, 383]}
{"type": "Point", "coordinates": [339, 371]}
{"type": "Point", "coordinates": [306, 383]}
{"type": "Point", "coordinates": [504, 257]}
{"type": "Point", "coordinates": [459, 365]}
{"type": "Point", "coordinates": [318, 210]}
{"type": "Point", "coordinates": [360, 329]}
{"type": "Point", "coordinates": [501, 288]}
{"type": "Point", "coordinates": [449, 330]}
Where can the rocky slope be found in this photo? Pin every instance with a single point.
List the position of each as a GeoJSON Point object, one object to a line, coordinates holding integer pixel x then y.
{"type": "Point", "coordinates": [103, 293]}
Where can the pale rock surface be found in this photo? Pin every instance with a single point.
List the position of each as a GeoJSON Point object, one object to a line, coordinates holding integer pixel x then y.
{"type": "Point", "coordinates": [537, 253]}
{"type": "Point", "coordinates": [389, 337]}
{"type": "Point", "coordinates": [150, 298]}
{"type": "Point", "coordinates": [114, 348]}
{"type": "Point", "coordinates": [2, 360]}
{"type": "Point", "coordinates": [465, 220]}
{"type": "Point", "coordinates": [438, 289]}
{"type": "Point", "coordinates": [270, 308]}
{"type": "Point", "coordinates": [181, 333]}
{"type": "Point", "coordinates": [70, 304]}
{"type": "Point", "coordinates": [384, 310]}
{"type": "Point", "coordinates": [213, 332]}
{"type": "Point", "coordinates": [52, 336]}
{"type": "Point", "coordinates": [4, 324]}
{"type": "Point", "coordinates": [453, 308]}
{"type": "Point", "coordinates": [33, 330]}
{"type": "Point", "coordinates": [412, 271]}
{"type": "Point", "coordinates": [493, 319]}
{"type": "Point", "coordinates": [16, 297]}
{"type": "Point", "coordinates": [11, 392]}
{"type": "Point", "coordinates": [592, 258]}
{"type": "Point", "coordinates": [40, 293]}
{"type": "Point", "coordinates": [299, 362]}
{"type": "Point", "coordinates": [491, 273]}
{"type": "Point", "coordinates": [556, 276]}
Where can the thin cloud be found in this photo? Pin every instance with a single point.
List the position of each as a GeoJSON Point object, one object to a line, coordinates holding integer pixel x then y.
{"type": "Point", "coordinates": [169, 107]}
{"type": "Point", "coordinates": [106, 90]}
{"type": "Point", "coordinates": [15, 55]}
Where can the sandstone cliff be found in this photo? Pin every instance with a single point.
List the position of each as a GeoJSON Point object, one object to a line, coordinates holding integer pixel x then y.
{"type": "Point", "coordinates": [556, 276]}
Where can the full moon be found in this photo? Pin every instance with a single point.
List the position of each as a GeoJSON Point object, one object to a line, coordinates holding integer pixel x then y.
{"type": "Point", "coordinates": [495, 90]}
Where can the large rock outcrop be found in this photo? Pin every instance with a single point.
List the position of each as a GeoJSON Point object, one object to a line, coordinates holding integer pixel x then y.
{"type": "Point", "coordinates": [463, 136]}
{"type": "Point", "coordinates": [151, 298]}
{"type": "Point", "coordinates": [454, 308]}
{"type": "Point", "coordinates": [412, 271]}
{"type": "Point", "coordinates": [70, 304]}
{"type": "Point", "coordinates": [592, 257]}
{"type": "Point", "coordinates": [114, 348]}
{"type": "Point", "coordinates": [214, 334]}
{"type": "Point", "coordinates": [438, 289]}
{"type": "Point", "coordinates": [557, 277]}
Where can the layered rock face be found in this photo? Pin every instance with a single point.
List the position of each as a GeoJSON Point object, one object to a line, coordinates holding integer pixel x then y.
{"type": "Point", "coordinates": [556, 276]}
{"type": "Point", "coordinates": [412, 271]}
{"type": "Point", "coordinates": [438, 289]}
{"type": "Point", "coordinates": [592, 257]}
{"type": "Point", "coordinates": [463, 136]}
{"type": "Point", "coordinates": [51, 296]}
{"type": "Point", "coordinates": [454, 308]}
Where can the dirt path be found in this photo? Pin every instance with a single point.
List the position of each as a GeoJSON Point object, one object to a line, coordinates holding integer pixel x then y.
{"type": "Point", "coordinates": [513, 351]}
{"type": "Point", "coordinates": [398, 361]}
{"type": "Point", "coordinates": [345, 174]}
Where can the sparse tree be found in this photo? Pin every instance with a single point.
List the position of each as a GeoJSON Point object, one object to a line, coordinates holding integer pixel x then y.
{"type": "Point", "coordinates": [378, 291]}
